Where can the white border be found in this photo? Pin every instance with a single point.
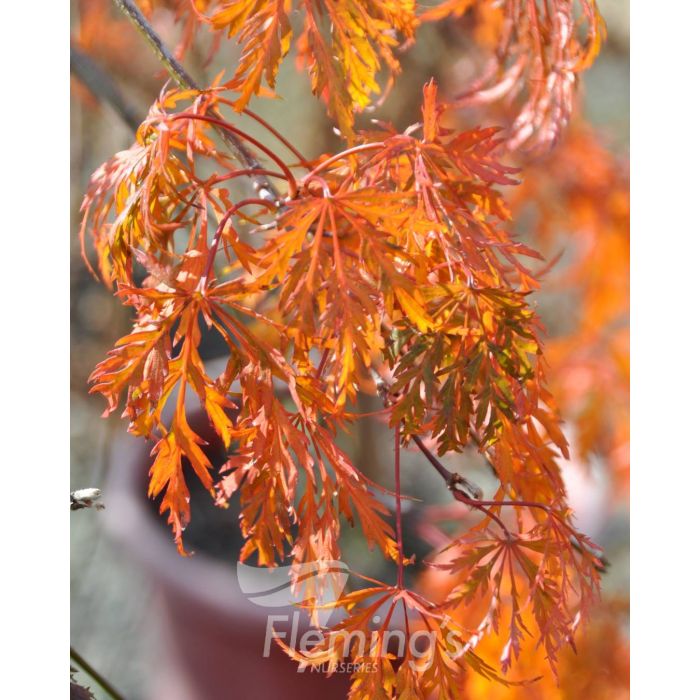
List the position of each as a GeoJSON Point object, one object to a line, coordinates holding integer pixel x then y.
{"type": "Point", "coordinates": [665, 350]}
{"type": "Point", "coordinates": [34, 337]}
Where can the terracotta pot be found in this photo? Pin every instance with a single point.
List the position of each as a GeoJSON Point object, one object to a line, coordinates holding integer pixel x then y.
{"type": "Point", "coordinates": [212, 636]}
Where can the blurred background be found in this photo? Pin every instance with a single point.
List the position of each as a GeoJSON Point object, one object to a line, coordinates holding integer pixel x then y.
{"type": "Point", "coordinates": [573, 206]}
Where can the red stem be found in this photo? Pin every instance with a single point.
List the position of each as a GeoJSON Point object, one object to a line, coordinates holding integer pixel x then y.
{"type": "Point", "coordinates": [266, 125]}
{"type": "Point", "coordinates": [479, 504]}
{"type": "Point", "coordinates": [209, 266]}
{"type": "Point", "coordinates": [293, 191]}
{"type": "Point", "coordinates": [342, 154]}
{"type": "Point", "coordinates": [322, 363]}
{"type": "Point", "coordinates": [521, 504]}
{"type": "Point", "coordinates": [462, 497]}
{"type": "Point", "coordinates": [397, 488]}
{"type": "Point", "coordinates": [277, 134]}
{"type": "Point", "coordinates": [407, 627]}
{"type": "Point", "coordinates": [242, 173]}
{"type": "Point", "coordinates": [445, 473]}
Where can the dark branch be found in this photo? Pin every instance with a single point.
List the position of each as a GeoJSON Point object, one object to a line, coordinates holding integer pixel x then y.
{"type": "Point", "coordinates": [263, 186]}
{"type": "Point", "coordinates": [143, 26]}
{"type": "Point", "coordinates": [101, 85]}
{"type": "Point", "coordinates": [90, 671]}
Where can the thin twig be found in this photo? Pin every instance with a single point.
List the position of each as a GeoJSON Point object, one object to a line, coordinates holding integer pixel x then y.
{"type": "Point", "coordinates": [452, 478]}
{"type": "Point", "coordinates": [473, 496]}
{"type": "Point", "coordinates": [96, 675]}
{"type": "Point", "coordinates": [177, 72]}
{"type": "Point", "coordinates": [459, 495]}
{"type": "Point", "coordinates": [473, 499]}
{"type": "Point", "coordinates": [214, 248]}
{"type": "Point", "coordinates": [397, 489]}
{"type": "Point", "coordinates": [454, 481]}
{"type": "Point", "coordinates": [172, 65]}
{"type": "Point", "coordinates": [445, 473]}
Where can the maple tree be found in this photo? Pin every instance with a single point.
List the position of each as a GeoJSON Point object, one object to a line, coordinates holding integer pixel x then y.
{"type": "Point", "coordinates": [388, 268]}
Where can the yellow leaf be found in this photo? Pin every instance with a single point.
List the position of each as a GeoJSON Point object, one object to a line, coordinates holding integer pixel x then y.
{"type": "Point", "coordinates": [414, 310]}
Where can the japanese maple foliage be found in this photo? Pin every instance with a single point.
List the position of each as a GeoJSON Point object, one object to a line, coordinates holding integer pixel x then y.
{"type": "Point", "coordinates": [582, 189]}
{"type": "Point", "coordinates": [538, 49]}
{"type": "Point", "coordinates": [389, 268]}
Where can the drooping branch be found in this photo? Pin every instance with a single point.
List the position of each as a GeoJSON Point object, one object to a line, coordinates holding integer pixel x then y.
{"type": "Point", "coordinates": [263, 186]}
{"type": "Point", "coordinates": [457, 483]}
{"type": "Point", "coordinates": [461, 488]}
{"type": "Point", "coordinates": [172, 65]}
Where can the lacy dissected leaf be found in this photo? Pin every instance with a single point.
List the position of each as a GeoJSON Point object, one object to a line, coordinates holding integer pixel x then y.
{"type": "Point", "coordinates": [542, 47]}
{"type": "Point", "coordinates": [343, 45]}
{"type": "Point", "coordinates": [385, 669]}
{"type": "Point", "coordinates": [329, 255]}
{"type": "Point", "coordinates": [453, 212]}
{"type": "Point", "coordinates": [388, 267]}
{"type": "Point", "coordinates": [354, 494]}
{"type": "Point", "coordinates": [142, 196]}
{"type": "Point", "coordinates": [141, 356]}
{"type": "Point", "coordinates": [144, 365]}
{"type": "Point", "coordinates": [548, 572]}
{"type": "Point", "coordinates": [167, 475]}
{"type": "Point", "coordinates": [264, 30]}
{"type": "Point", "coordinates": [471, 374]}
{"type": "Point", "coordinates": [294, 483]}
{"type": "Point", "coordinates": [394, 234]}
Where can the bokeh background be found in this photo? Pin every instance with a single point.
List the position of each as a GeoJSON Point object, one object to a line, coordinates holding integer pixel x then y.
{"type": "Point", "coordinates": [114, 606]}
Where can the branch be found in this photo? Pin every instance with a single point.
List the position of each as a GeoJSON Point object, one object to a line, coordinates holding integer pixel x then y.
{"type": "Point", "coordinates": [472, 495]}
{"type": "Point", "coordinates": [263, 186]}
{"type": "Point", "coordinates": [467, 492]}
{"type": "Point", "coordinates": [143, 26]}
{"type": "Point", "coordinates": [90, 671]}
{"type": "Point", "coordinates": [101, 85]}
{"type": "Point", "coordinates": [476, 500]}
